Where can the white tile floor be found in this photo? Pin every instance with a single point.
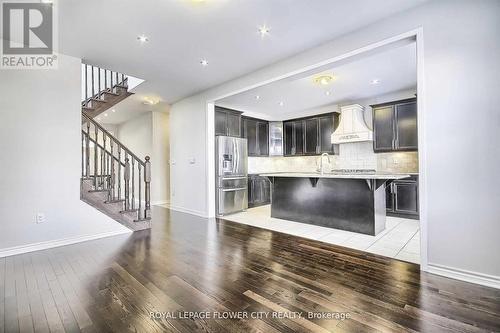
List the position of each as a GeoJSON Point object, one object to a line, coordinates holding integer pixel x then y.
{"type": "Point", "coordinates": [400, 239]}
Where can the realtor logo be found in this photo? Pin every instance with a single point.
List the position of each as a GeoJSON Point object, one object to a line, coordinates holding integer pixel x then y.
{"type": "Point", "coordinates": [28, 35]}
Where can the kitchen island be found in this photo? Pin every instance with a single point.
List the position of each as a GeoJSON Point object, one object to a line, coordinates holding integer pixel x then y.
{"type": "Point", "coordinates": [352, 202]}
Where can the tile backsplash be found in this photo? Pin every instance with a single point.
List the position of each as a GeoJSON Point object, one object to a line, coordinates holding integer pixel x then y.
{"type": "Point", "coordinates": [357, 155]}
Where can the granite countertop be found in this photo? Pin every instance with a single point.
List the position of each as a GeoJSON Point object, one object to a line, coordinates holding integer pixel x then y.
{"type": "Point", "coordinates": [376, 175]}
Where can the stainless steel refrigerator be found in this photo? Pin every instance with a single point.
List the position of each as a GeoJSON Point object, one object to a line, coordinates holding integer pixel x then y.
{"type": "Point", "coordinates": [232, 175]}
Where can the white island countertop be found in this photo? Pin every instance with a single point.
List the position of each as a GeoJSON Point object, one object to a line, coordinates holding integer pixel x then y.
{"type": "Point", "coordinates": [375, 175]}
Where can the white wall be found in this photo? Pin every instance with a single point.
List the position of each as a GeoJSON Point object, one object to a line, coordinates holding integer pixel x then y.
{"type": "Point", "coordinates": [40, 140]}
{"type": "Point", "coordinates": [160, 159]}
{"type": "Point", "coordinates": [148, 135]}
{"type": "Point", "coordinates": [461, 71]}
{"type": "Point", "coordinates": [137, 133]}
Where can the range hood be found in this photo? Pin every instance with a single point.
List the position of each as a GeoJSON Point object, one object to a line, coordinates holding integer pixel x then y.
{"type": "Point", "coordinates": [352, 126]}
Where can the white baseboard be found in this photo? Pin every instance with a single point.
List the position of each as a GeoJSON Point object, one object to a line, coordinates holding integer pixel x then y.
{"type": "Point", "coordinates": [160, 202]}
{"type": "Point", "coordinates": [11, 251]}
{"type": "Point", "coordinates": [464, 275]}
{"type": "Point", "coordinates": [188, 211]}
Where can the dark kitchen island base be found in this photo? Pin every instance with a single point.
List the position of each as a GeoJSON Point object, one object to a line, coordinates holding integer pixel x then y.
{"type": "Point", "coordinates": [356, 205]}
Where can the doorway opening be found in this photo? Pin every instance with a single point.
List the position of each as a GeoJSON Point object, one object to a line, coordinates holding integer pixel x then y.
{"type": "Point", "coordinates": [288, 123]}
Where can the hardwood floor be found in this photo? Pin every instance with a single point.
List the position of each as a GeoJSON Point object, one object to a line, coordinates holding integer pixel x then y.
{"type": "Point", "coordinates": [187, 264]}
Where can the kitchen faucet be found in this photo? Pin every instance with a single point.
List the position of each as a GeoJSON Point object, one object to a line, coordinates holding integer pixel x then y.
{"type": "Point", "coordinates": [321, 162]}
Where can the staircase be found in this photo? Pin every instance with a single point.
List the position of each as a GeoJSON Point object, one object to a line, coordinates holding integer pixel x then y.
{"type": "Point", "coordinates": [114, 180]}
{"type": "Point", "coordinates": [103, 89]}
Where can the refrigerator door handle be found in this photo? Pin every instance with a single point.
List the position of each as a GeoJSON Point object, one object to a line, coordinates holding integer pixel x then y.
{"type": "Point", "coordinates": [234, 189]}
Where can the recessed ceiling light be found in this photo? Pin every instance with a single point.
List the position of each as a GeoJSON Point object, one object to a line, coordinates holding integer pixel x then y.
{"type": "Point", "coordinates": [204, 62]}
{"type": "Point", "coordinates": [105, 115]}
{"type": "Point", "coordinates": [323, 79]}
{"type": "Point", "coordinates": [150, 101]}
{"type": "Point", "coordinates": [375, 81]}
{"type": "Point", "coordinates": [257, 97]}
{"type": "Point", "coordinates": [281, 103]}
{"type": "Point", "coordinates": [142, 38]}
{"type": "Point", "coordinates": [46, 1]}
{"type": "Point", "coordinates": [264, 30]}
{"type": "Point", "coordinates": [98, 118]}
{"type": "Point", "coordinates": [113, 110]}
{"type": "Point", "coordinates": [327, 93]}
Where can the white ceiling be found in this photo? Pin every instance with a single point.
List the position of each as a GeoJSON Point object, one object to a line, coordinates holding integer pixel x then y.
{"type": "Point", "coordinates": [395, 69]}
{"type": "Point", "coordinates": [182, 32]}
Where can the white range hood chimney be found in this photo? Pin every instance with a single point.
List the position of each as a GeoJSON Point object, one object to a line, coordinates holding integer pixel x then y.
{"type": "Point", "coordinates": [352, 126]}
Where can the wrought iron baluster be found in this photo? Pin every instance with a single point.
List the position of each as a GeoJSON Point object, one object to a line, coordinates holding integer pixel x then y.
{"type": "Point", "coordinates": [112, 175]}
{"type": "Point", "coordinates": [93, 91]}
{"type": "Point", "coordinates": [127, 182]}
{"type": "Point", "coordinates": [86, 83]}
{"type": "Point", "coordinates": [133, 183]}
{"type": "Point", "coordinates": [140, 196]}
{"type": "Point", "coordinates": [95, 157]}
{"type": "Point", "coordinates": [105, 175]}
{"type": "Point", "coordinates": [119, 172]}
{"type": "Point", "coordinates": [147, 188]}
{"type": "Point", "coordinates": [99, 82]}
{"type": "Point", "coordinates": [87, 150]}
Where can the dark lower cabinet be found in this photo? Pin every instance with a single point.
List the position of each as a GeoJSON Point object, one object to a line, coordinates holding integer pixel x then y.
{"type": "Point", "coordinates": [402, 198]}
{"type": "Point", "coordinates": [259, 191]}
{"type": "Point", "coordinates": [256, 131]}
{"type": "Point", "coordinates": [227, 122]}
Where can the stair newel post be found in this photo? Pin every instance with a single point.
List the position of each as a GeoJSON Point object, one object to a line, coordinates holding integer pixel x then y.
{"type": "Point", "coordinates": [82, 143]}
{"type": "Point", "coordinates": [96, 137]}
{"type": "Point", "coordinates": [140, 192]}
{"type": "Point", "coordinates": [133, 183]}
{"type": "Point", "coordinates": [126, 176]}
{"type": "Point", "coordinates": [87, 150]}
{"type": "Point", "coordinates": [147, 188]}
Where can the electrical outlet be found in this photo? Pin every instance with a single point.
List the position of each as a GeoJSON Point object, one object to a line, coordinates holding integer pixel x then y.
{"type": "Point", "coordinates": [40, 218]}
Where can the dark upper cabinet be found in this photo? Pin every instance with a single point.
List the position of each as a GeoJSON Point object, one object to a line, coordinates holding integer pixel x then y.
{"type": "Point", "coordinates": [256, 132]}
{"type": "Point", "coordinates": [220, 123]}
{"type": "Point", "coordinates": [293, 136]}
{"type": "Point", "coordinates": [406, 126]}
{"type": "Point", "coordinates": [288, 130]}
{"type": "Point", "coordinates": [299, 137]}
{"type": "Point", "coordinates": [402, 197]}
{"type": "Point", "coordinates": [395, 126]}
{"type": "Point", "coordinates": [309, 136]}
{"type": "Point", "coordinates": [263, 137]}
{"type": "Point", "coordinates": [383, 126]}
{"type": "Point", "coordinates": [325, 133]}
{"type": "Point", "coordinates": [233, 124]}
{"type": "Point", "coordinates": [227, 122]}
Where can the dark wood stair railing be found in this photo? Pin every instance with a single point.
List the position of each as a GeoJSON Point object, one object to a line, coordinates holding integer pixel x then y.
{"type": "Point", "coordinates": [105, 160]}
{"type": "Point", "coordinates": [103, 89]}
